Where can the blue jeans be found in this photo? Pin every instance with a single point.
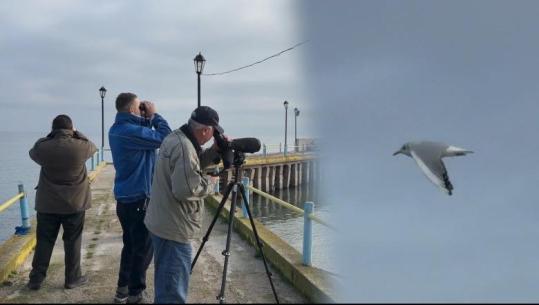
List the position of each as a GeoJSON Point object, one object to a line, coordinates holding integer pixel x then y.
{"type": "Point", "coordinates": [172, 263]}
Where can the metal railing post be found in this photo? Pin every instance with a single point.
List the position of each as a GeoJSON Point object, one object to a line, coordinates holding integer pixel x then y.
{"type": "Point", "coordinates": [93, 162]}
{"type": "Point", "coordinates": [308, 207]}
{"type": "Point", "coordinates": [25, 216]}
{"type": "Point", "coordinates": [216, 190]}
{"type": "Point", "coordinates": [264, 150]}
{"type": "Point", "coordinates": [245, 182]}
{"type": "Point", "coordinates": [280, 148]}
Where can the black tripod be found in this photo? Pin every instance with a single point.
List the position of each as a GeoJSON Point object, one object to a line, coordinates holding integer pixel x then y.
{"type": "Point", "coordinates": [239, 159]}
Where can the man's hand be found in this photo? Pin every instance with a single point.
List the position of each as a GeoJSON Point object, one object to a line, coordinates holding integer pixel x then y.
{"type": "Point", "coordinates": [79, 135]}
{"type": "Point", "coordinates": [149, 109]}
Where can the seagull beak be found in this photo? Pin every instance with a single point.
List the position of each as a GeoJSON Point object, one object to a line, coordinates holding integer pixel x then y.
{"type": "Point", "coordinates": [397, 152]}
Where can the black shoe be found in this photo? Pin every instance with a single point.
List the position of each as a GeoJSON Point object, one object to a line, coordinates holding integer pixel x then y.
{"type": "Point", "coordinates": [79, 282]}
{"type": "Point", "coordinates": [121, 295]}
{"type": "Point", "coordinates": [138, 298]}
{"type": "Point", "coordinates": [33, 286]}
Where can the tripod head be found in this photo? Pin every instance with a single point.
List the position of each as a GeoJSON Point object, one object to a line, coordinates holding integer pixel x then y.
{"type": "Point", "coordinates": [239, 158]}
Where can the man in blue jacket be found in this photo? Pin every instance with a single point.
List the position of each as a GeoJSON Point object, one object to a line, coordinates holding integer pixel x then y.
{"type": "Point", "coordinates": [134, 137]}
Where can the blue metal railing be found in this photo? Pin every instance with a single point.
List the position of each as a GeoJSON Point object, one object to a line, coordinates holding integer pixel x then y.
{"type": "Point", "coordinates": [308, 217]}
{"type": "Point", "coordinates": [308, 207]}
{"type": "Point", "coordinates": [23, 198]}
{"type": "Point", "coordinates": [97, 158]}
{"type": "Point", "coordinates": [25, 212]}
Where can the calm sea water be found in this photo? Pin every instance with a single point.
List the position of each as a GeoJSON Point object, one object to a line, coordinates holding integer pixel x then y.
{"type": "Point", "coordinates": [16, 167]}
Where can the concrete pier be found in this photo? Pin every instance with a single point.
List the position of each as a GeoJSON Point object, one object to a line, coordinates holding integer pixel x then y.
{"type": "Point", "coordinates": [102, 243]}
{"type": "Point", "coordinates": [279, 177]}
{"type": "Point", "coordinates": [275, 172]}
{"type": "Point", "coordinates": [272, 179]}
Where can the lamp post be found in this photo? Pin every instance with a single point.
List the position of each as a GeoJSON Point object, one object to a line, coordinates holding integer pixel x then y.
{"type": "Point", "coordinates": [102, 92]}
{"type": "Point", "coordinates": [285, 126]}
{"type": "Point", "coordinates": [199, 67]}
{"type": "Point", "coordinates": [296, 114]}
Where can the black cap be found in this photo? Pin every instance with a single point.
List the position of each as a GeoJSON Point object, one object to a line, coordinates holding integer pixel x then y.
{"type": "Point", "coordinates": [207, 116]}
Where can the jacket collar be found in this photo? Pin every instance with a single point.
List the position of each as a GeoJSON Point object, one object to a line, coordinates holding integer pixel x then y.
{"type": "Point", "coordinates": [189, 134]}
{"type": "Point", "coordinates": [126, 117]}
{"type": "Point", "coordinates": [60, 133]}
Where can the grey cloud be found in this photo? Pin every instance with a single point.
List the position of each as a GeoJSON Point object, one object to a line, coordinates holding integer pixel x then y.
{"type": "Point", "coordinates": [56, 56]}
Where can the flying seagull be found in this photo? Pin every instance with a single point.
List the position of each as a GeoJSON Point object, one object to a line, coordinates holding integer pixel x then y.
{"type": "Point", "coordinates": [428, 156]}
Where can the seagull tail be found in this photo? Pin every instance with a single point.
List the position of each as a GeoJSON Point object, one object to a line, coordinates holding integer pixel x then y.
{"type": "Point", "coordinates": [464, 152]}
{"type": "Point", "coordinates": [457, 151]}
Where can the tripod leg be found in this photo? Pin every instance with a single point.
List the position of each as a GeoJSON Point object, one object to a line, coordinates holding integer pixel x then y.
{"type": "Point", "coordinates": [210, 228]}
{"type": "Point", "coordinates": [258, 243]}
{"type": "Point", "coordinates": [226, 252]}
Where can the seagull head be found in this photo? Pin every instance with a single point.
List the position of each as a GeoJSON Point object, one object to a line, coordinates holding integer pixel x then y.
{"type": "Point", "coordinates": [405, 150]}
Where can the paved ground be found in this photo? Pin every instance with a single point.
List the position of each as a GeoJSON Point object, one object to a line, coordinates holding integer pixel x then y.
{"type": "Point", "coordinates": [247, 281]}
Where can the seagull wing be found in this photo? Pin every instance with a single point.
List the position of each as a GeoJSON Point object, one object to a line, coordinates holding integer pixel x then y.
{"type": "Point", "coordinates": [433, 167]}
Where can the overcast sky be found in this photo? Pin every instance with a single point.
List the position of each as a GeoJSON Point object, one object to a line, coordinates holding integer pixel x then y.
{"type": "Point", "coordinates": [56, 55]}
{"type": "Point", "coordinates": [382, 73]}
{"type": "Point", "coordinates": [375, 75]}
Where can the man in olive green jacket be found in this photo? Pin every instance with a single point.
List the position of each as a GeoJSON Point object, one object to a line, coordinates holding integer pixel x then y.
{"type": "Point", "coordinates": [174, 214]}
{"type": "Point", "coordinates": [62, 197]}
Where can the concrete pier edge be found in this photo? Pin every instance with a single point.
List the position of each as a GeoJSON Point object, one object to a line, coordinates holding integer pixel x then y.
{"type": "Point", "coordinates": [15, 250]}
{"type": "Point", "coordinates": [312, 282]}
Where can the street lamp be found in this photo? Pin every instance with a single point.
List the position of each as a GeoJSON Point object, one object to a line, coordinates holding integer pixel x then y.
{"type": "Point", "coordinates": [285, 125]}
{"type": "Point", "coordinates": [199, 67]}
{"type": "Point", "coordinates": [296, 114]}
{"type": "Point", "coordinates": [102, 92]}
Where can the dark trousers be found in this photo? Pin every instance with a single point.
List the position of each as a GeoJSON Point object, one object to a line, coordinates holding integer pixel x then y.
{"type": "Point", "coordinates": [48, 226]}
{"type": "Point", "coordinates": [137, 252]}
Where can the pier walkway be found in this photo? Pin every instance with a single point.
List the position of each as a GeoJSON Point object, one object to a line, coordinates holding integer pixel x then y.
{"type": "Point", "coordinates": [102, 242]}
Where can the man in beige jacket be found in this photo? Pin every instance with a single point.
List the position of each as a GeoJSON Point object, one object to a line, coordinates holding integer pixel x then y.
{"type": "Point", "coordinates": [174, 214]}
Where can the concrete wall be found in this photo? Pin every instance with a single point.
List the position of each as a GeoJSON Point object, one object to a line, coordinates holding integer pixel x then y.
{"type": "Point", "coordinates": [314, 283]}
{"type": "Point", "coordinates": [14, 251]}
